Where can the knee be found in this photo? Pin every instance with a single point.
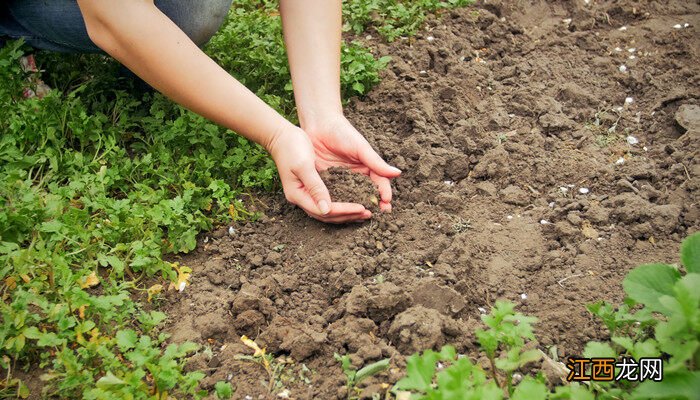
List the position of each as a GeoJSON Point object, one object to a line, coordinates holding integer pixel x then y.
{"type": "Point", "coordinates": [198, 19]}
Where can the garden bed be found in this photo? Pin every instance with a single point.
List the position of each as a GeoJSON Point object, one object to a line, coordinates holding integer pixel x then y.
{"type": "Point", "coordinates": [543, 155]}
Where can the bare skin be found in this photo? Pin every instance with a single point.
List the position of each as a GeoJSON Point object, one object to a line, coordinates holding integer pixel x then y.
{"type": "Point", "coordinates": [146, 41]}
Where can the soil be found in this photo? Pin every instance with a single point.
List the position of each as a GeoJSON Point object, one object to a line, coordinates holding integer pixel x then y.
{"type": "Point", "coordinates": [346, 186]}
{"type": "Point", "coordinates": [536, 170]}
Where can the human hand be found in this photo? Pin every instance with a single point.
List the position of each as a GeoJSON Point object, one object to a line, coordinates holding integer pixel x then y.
{"type": "Point", "coordinates": [294, 155]}
{"type": "Point", "coordinates": [338, 144]}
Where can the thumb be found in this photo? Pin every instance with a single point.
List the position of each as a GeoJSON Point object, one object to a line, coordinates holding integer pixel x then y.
{"type": "Point", "coordinates": [374, 162]}
{"type": "Point", "coordinates": [314, 185]}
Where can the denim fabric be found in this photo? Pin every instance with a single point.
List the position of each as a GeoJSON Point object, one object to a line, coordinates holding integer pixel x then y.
{"type": "Point", "coordinates": [58, 25]}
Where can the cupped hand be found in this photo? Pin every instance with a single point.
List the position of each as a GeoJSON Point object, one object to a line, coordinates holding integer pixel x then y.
{"type": "Point", "coordinates": [338, 144]}
{"type": "Point", "coordinates": [294, 155]}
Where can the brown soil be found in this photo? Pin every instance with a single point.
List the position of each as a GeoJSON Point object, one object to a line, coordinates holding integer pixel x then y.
{"type": "Point", "coordinates": [346, 186]}
{"type": "Point", "coordinates": [522, 181]}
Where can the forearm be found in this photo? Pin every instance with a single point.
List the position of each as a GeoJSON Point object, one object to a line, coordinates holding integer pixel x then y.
{"type": "Point", "coordinates": [146, 41]}
{"type": "Point", "coordinates": [312, 33]}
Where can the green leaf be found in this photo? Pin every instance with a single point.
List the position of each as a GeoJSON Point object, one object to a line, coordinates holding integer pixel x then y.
{"type": "Point", "coordinates": [530, 389]}
{"type": "Point", "coordinates": [647, 283]}
{"type": "Point", "coordinates": [108, 381]}
{"type": "Point", "coordinates": [223, 390]}
{"type": "Point", "coordinates": [126, 339]}
{"type": "Point", "coordinates": [419, 372]}
{"type": "Point", "coordinates": [51, 226]}
{"type": "Point", "coordinates": [625, 342]}
{"type": "Point", "coordinates": [679, 385]}
{"type": "Point", "coordinates": [448, 353]}
{"type": "Point", "coordinates": [371, 370]}
{"type": "Point", "coordinates": [599, 350]}
{"type": "Point", "coordinates": [690, 253]}
{"type": "Point", "coordinates": [359, 87]}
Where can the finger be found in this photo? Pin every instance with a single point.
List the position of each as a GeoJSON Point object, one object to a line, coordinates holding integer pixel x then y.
{"type": "Point", "coordinates": [383, 185]}
{"type": "Point", "coordinates": [360, 217]}
{"type": "Point", "coordinates": [385, 207]}
{"type": "Point", "coordinates": [371, 159]}
{"type": "Point", "coordinates": [338, 209]}
{"type": "Point", "coordinates": [314, 186]}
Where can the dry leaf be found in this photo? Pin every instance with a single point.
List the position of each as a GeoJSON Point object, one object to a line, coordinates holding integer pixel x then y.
{"type": "Point", "coordinates": [90, 281]}
{"type": "Point", "coordinates": [11, 282]}
{"type": "Point", "coordinates": [183, 277]}
{"type": "Point", "coordinates": [154, 290]}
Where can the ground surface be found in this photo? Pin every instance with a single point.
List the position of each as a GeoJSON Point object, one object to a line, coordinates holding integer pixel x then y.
{"type": "Point", "coordinates": [511, 125]}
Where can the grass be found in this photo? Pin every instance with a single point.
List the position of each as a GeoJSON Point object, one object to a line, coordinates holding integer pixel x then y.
{"type": "Point", "coordinates": [99, 180]}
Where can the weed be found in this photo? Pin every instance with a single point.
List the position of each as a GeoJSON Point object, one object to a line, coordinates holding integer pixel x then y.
{"type": "Point", "coordinates": [461, 225]}
{"type": "Point", "coordinates": [223, 390]}
{"type": "Point", "coordinates": [355, 377]}
{"type": "Point", "coordinates": [260, 356]}
{"type": "Point", "coordinates": [392, 18]}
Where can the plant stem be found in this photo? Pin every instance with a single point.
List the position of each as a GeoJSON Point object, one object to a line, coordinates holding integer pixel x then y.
{"type": "Point", "coordinates": [493, 372]}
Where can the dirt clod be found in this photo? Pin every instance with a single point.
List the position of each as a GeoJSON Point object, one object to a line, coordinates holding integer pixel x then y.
{"type": "Point", "coordinates": [346, 186]}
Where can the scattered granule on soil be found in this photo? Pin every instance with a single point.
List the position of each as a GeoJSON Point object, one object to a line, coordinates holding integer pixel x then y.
{"type": "Point", "coordinates": [346, 186]}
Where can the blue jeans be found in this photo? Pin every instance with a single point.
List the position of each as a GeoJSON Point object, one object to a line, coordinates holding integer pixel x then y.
{"type": "Point", "coordinates": [58, 25]}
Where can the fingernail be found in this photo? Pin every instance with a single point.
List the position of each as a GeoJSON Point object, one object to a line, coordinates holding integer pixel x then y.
{"type": "Point", "coordinates": [398, 171]}
{"type": "Point", "coordinates": [324, 207]}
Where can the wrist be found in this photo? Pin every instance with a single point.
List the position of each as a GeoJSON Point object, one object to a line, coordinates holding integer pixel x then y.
{"type": "Point", "coordinates": [312, 122]}
{"type": "Point", "coordinates": [271, 143]}
{"type": "Point", "coordinates": [313, 117]}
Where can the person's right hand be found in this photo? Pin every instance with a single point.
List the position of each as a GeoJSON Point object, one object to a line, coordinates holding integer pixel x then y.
{"type": "Point", "coordinates": [295, 158]}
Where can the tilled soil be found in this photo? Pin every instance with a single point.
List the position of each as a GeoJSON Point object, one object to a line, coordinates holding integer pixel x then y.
{"type": "Point", "coordinates": [537, 169]}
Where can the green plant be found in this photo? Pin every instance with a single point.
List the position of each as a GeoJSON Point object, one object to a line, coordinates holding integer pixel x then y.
{"type": "Point", "coordinates": [392, 18]}
{"type": "Point", "coordinates": [665, 325]}
{"type": "Point", "coordinates": [507, 333]}
{"type": "Point", "coordinates": [223, 390]}
{"type": "Point", "coordinates": [260, 356]}
{"type": "Point", "coordinates": [355, 376]}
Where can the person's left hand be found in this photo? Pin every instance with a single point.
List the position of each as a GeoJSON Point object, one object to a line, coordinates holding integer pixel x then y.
{"type": "Point", "coordinates": [338, 144]}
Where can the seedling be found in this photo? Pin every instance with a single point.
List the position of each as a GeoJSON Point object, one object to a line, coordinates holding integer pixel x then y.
{"type": "Point", "coordinates": [260, 356]}
{"type": "Point", "coordinates": [355, 377]}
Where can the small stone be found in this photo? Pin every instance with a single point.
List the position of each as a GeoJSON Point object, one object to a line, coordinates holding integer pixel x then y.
{"type": "Point", "coordinates": [231, 231]}
{"type": "Point", "coordinates": [629, 100]}
{"type": "Point", "coordinates": [632, 140]}
{"type": "Point", "coordinates": [678, 26]}
{"type": "Point", "coordinates": [623, 68]}
{"type": "Point", "coordinates": [583, 190]}
{"type": "Point", "coordinates": [688, 117]}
